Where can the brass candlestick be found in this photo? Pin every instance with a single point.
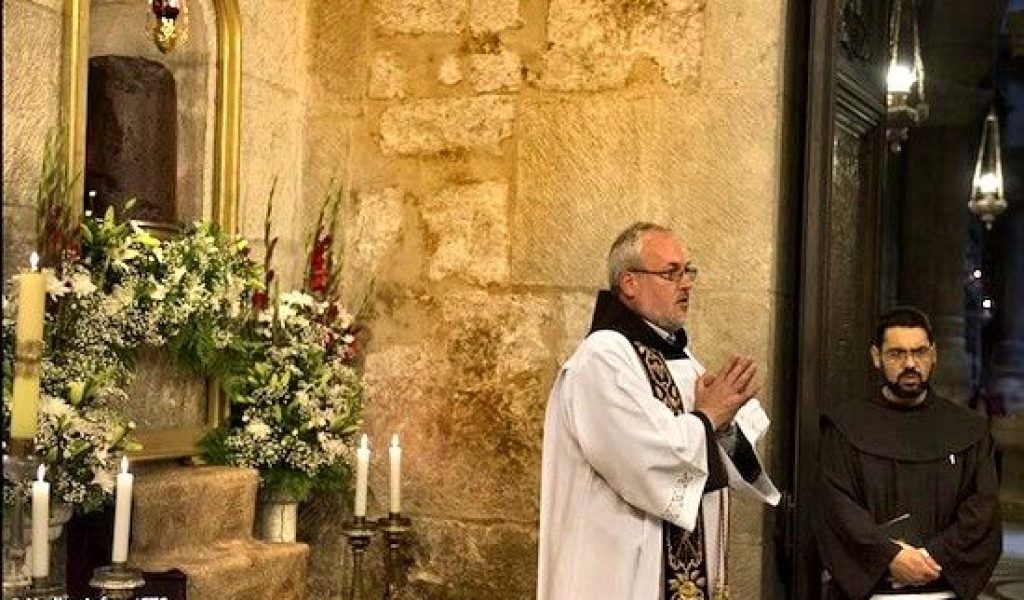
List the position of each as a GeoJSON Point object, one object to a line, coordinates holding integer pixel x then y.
{"type": "Point", "coordinates": [117, 581]}
{"type": "Point", "coordinates": [19, 467]}
{"type": "Point", "coordinates": [359, 533]}
{"type": "Point", "coordinates": [394, 526]}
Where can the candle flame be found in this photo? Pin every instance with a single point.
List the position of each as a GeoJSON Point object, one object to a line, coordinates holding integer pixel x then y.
{"type": "Point", "coordinates": [364, 442]}
{"type": "Point", "coordinates": [124, 464]}
{"type": "Point", "coordinates": [34, 261]}
{"type": "Point", "coordinates": [394, 440]}
{"type": "Point", "coordinates": [41, 472]}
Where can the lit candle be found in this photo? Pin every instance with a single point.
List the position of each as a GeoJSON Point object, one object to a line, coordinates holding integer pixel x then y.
{"type": "Point", "coordinates": [362, 473]}
{"type": "Point", "coordinates": [40, 525]}
{"type": "Point", "coordinates": [122, 513]}
{"type": "Point", "coordinates": [28, 351]}
{"type": "Point", "coordinates": [395, 452]}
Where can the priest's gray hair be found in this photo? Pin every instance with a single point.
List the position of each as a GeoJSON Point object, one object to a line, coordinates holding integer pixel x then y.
{"type": "Point", "coordinates": [625, 251]}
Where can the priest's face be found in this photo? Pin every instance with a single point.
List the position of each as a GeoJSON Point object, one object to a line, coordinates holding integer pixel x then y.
{"type": "Point", "coordinates": [905, 360]}
{"type": "Point", "coordinates": [660, 289]}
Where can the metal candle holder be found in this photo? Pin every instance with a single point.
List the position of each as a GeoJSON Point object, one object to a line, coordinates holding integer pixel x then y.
{"type": "Point", "coordinates": [359, 533]}
{"type": "Point", "coordinates": [394, 526]}
{"type": "Point", "coordinates": [117, 581]}
{"type": "Point", "coordinates": [19, 466]}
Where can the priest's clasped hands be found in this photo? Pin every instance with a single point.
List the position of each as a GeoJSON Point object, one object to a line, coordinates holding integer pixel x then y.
{"type": "Point", "coordinates": [720, 395]}
{"type": "Point", "coordinates": [913, 566]}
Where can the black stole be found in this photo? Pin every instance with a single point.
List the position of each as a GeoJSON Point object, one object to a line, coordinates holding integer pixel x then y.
{"type": "Point", "coordinates": [685, 564]}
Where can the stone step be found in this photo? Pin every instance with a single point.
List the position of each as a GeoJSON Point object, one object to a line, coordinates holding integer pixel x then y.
{"type": "Point", "coordinates": [251, 569]}
{"type": "Point", "coordinates": [178, 508]}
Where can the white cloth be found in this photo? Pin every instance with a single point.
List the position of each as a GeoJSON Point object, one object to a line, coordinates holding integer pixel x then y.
{"type": "Point", "coordinates": [616, 463]}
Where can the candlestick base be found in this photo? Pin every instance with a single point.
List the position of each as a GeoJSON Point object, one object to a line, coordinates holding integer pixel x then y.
{"type": "Point", "coordinates": [117, 581]}
{"type": "Point", "coordinates": [394, 526]}
{"type": "Point", "coordinates": [45, 588]}
{"type": "Point", "coordinates": [19, 468]}
{"type": "Point", "coordinates": [359, 532]}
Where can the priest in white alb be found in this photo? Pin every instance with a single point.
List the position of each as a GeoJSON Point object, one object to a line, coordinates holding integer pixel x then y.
{"type": "Point", "coordinates": [642, 446]}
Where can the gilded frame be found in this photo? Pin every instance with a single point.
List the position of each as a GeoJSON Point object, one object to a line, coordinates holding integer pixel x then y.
{"type": "Point", "coordinates": [182, 441]}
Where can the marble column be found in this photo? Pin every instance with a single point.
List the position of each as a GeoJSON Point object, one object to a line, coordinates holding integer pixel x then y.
{"type": "Point", "coordinates": [935, 240]}
{"type": "Point", "coordinates": [1006, 379]}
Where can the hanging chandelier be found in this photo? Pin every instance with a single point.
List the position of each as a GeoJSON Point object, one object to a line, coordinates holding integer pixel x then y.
{"type": "Point", "coordinates": [168, 23]}
{"type": "Point", "coordinates": [905, 103]}
{"type": "Point", "coordinates": [987, 199]}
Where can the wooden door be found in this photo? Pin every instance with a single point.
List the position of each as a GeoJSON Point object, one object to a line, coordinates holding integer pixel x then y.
{"type": "Point", "coordinates": [840, 271]}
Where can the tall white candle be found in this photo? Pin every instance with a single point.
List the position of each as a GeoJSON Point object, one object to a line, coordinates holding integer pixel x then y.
{"type": "Point", "coordinates": [41, 525]}
{"type": "Point", "coordinates": [122, 513]}
{"type": "Point", "coordinates": [362, 474]}
{"type": "Point", "coordinates": [395, 454]}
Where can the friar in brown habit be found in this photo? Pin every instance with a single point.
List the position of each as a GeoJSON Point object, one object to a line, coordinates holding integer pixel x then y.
{"type": "Point", "coordinates": [908, 500]}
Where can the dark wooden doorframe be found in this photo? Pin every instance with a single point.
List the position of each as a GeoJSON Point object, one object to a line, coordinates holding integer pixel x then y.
{"type": "Point", "coordinates": [845, 96]}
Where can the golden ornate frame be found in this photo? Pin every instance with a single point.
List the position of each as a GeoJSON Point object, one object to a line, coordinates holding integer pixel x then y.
{"type": "Point", "coordinates": [181, 441]}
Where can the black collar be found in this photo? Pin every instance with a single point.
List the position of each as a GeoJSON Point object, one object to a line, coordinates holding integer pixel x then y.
{"type": "Point", "coordinates": [611, 314]}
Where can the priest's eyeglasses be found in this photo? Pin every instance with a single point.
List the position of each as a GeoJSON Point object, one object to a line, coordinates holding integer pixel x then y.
{"type": "Point", "coordinates": [675, 274]}
{"type": "Point", "coordinates": [899, 355]}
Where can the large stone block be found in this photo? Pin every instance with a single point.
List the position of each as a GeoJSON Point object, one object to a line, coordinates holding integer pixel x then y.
{"type": "Point", "coordinates": [179, 509]}
{"type": "Point", "coordinates": [387, 76]}
{"type": "Point", "coordinates": [757, 61]}
{"type": "Point", "coordinates": [453, 560]}
{"type": "Point", "coordinates": [476, 405]}
{"type": "Point", "coordinates": [448, 125]}
{"type": "Point", "coordinates": [378, 222]}
{"type": "Point", "coordinates": [469, 226]}
{"type": "Point", "coordinates": [495, 72]}
{"type": "Point", "coordinates": [696, 163]}
{"type": "Point", "coordinates": [31, 94]}
{"type": "Point", "coordinates": [19, 237]}
{"type": "Point", "coordinates": [336, 49]}
{"type": "Point", "coordinates": [594, 44]}
{"type": "Point", "coordinates": [493, 15]}
{"type": "Point", "coordinates": [273, 41]}
{"type": "Point", "coordinates": [420, 16]}
{"type": "Point", "coordinates": [581, 180]}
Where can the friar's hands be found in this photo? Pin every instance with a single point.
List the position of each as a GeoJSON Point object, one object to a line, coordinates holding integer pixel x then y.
{"type": "Point", "coordinates": [913, 566]}
{"type": "Point", "coordinates": [720, 395]}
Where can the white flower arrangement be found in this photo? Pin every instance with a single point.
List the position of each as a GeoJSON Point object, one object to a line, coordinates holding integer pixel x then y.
{"type": "Point", "coordinates": [297, 406]}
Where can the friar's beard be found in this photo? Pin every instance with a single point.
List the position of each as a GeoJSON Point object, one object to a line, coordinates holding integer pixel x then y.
{"type": "Point", "coordinates": [904, 392]}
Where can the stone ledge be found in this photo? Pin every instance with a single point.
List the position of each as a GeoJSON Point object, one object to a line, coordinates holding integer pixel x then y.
{"type": "Point", "coordinates": [188, 507]}
{"type": "Point", "coordinates": [239, 569]}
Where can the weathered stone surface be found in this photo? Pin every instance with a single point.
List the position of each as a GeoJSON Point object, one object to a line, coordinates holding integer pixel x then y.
{"type": "Point", "coordinates": [581, 180]}
{"type": "Point", "coordinates": [387, 76]}
{"type": "Point", "coordinates": [450, 71]}
{"type": "Point", "coordinates": [469, 224]}
{"type": "Point", "coordinates": [432, 126]}
{"type": "Point", "coordinates": [757, 61]}
{"type": "Point", "coordinates": [336, 49]}
{"type": "Point", "coordinates": [476, 406]}
{"type": "Point", "coordinates": [493, 15]}
{"type": "Point", "coordinates": [163, 395]}
{"type": "Point", "coordinates": [239, 569]}
{"type": "Point", "coordinates": [273, 41]}
{"type": "Point", "coordinates": [453, 560]}
{"type": "Point", "coordinates": [378, 223]}
{"type": "Point", "coordinates": [495, 72]}
{"type": "Point", "coordinates": [19, 237]}
{"type": "Point", "coordinates": [168, 515]}
{"type": "Point", "coordinates": [31, 93]}
{"type": "Point", "coordinates": [658, 159]}
{"type": "Point", "coordinates": [420, 16]}
{"type": "Point", "coordinates": [577, 313]}
{"type": "Point", "coordinates": [271, 148]}
{"type": "Point", "coordinates": [594, 44]}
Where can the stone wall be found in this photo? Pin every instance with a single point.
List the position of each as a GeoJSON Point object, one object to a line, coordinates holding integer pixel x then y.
{"type": "Point", "coordinates": [492, 149]}
{"type": "Point", "coordinates": [31, 67]}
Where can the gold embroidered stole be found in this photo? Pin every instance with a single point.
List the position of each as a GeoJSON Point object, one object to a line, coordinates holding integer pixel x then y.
{"type": "Point", "coordinates": [685, 573]}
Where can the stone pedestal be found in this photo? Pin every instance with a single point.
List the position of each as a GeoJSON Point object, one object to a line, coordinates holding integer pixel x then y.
{"type": "Point", "coordinates": [200, 520]}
